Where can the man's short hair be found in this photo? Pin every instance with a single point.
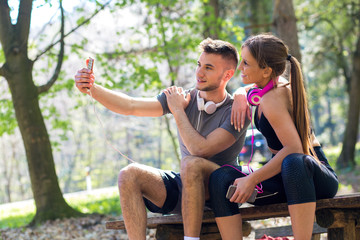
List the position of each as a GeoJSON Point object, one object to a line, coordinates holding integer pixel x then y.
{"type": "Point", "coordinates": [219, 47]}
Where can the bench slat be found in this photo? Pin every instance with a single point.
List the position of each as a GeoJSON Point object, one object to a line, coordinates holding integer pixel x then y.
{"type": "Point", "coordinates": [281, 210]}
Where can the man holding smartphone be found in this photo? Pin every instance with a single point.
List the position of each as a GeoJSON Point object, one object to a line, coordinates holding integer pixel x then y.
{"type": "Point", "coordinates": [206, 135]}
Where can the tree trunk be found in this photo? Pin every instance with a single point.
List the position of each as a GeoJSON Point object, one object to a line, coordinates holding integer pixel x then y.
{"type": "Point", "coordinates": [212, 27]}
{"type": "Point", "coordinates": [17, 168]}
{"type": "Point", "coordinates": [17, 70]}
{"type": "Point", "coordinates": [173, 139]}
{"type": "Point", "coordinates": [316, 117]}
{"type": "Point", "coordinates": [347, 156]}
{"type": "Point", "coordinates": [329, 124]}
{"type": "Point", "coordinates": [49, 201]}
{"type": "Point", "coordinates": [259, 17]}
{"type": "Point", "coordinates": [160, 139]}
{"type": "Point", "coordinates": [285, 26]}
{"type": "Point", "coordinates": [7, 173]}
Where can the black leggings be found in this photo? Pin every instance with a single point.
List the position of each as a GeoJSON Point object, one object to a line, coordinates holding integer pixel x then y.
{"type": "Point", "coordinates": [301, 180]}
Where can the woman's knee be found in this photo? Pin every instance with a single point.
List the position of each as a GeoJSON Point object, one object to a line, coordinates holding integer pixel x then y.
{"type": "Point", "coordinates": [295, 162]}
{"type": "Point", "coordinates": [219, 180]}
{"type": "Point", "coordinates": [292, 162]}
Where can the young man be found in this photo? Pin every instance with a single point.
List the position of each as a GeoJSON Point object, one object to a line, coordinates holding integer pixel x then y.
{"type": "Point", "coordinates": [203, 119]}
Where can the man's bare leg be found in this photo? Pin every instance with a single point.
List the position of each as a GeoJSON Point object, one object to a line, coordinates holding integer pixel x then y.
{"type": "Point", "coordinates": [195, 173]}
{"type": "Point", "coordinates": [136, 181]}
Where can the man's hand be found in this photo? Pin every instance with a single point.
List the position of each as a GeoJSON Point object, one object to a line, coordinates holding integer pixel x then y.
{"type": "Point", "coordinates": [84, 80]}
{"type": "Point", "coordinates": [240, 109]}
{"type": "Point", "coordinates": [176, 99]}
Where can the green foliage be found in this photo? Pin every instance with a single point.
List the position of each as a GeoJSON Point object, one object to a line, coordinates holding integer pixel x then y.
{"type": "Point", "coordinates": [328, 34]}
{"type": "Point", "coordinates": [169, 40]}
{"type": "Point", "coordinates": [255, 15]}
{"type": "Point", "coordinates": [2, 55]}
{"type": "Point", "coordinates": [332, 153]}
{"type": "Point", "coordinates": [173, 30]}
{"type": "Point", "coordinates": [7, 117]}
{"type": "Point", "coordinates": [348, 177]}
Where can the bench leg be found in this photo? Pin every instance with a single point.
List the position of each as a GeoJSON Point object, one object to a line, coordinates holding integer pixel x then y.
{"type": "Point", "coordinates": [170, 231]}
{"type": "Point", "coordinates": [315, 237]}
{"type": "Point", "coordinates": [348, 232]}
{"type": "Point", "coordinates": [209, 231]}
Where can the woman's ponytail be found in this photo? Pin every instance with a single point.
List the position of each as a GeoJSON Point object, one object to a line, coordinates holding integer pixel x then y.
{"type": "Point", "coordinates": [301, 115]}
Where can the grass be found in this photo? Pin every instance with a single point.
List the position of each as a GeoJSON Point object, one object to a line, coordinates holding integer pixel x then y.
{"type": "Point", "coordinates": [16, 215]}
{"type": "Point", "coordinates": [106, 203]}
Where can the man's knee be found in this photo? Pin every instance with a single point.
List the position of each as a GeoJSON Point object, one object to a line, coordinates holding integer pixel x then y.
{"type": "Point", "coordinates": [192, 165]}
{"type": "Point", "coordinates": [196, 168]}
{"type": "Point", "coordinates": [128, 175]}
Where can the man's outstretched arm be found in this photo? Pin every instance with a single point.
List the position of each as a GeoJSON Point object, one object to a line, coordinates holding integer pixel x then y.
{"type": "Point", "coordinates": [116, 101]}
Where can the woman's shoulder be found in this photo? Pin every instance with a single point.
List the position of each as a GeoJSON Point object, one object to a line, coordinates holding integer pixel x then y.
{"type": "Point", "coordinates": [279, 93]}
{"type": "Point", "coordinates": [278, 98]}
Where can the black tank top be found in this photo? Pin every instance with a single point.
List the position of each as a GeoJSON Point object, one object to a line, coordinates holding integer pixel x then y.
{"type": "Point", "coordinates": [267, 131]}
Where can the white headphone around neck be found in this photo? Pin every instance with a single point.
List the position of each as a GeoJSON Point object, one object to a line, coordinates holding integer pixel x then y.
{"type": "Point", "coordinates": [209, 107]}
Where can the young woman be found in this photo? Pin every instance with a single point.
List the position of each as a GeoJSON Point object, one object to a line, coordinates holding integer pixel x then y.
{"type": "Point", "coordinates": [298, 172]}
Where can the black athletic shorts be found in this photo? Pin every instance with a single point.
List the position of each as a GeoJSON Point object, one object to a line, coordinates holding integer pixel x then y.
{"type": "Point", "coordinates": [173, 187]}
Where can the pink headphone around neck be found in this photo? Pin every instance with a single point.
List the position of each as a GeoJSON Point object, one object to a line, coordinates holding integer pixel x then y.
{"type": "Point", "coordinates": [254, 94]}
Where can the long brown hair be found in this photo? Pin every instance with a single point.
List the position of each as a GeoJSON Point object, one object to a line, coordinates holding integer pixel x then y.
{"type": "Point", "coordinates": [270, 51]}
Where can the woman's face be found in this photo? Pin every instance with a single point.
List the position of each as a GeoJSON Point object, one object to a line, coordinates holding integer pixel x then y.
{"type": "Point", "coordinates": [250, 70]}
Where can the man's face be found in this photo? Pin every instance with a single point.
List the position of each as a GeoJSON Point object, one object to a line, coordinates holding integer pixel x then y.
{"type": "Point", "coordinates": [210, 71]}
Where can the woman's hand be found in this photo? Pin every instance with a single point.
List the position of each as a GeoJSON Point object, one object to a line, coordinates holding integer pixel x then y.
{"type": "Point", "coordinates": [244, 189]}
{"type": "Point", "coordinates": [240, 109]}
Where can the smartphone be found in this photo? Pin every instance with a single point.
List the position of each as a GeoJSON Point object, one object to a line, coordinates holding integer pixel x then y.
{"type": "Point", "coordinates": [90, 64]}
{"type": "Point", "coordinates": [231, 191]}
{"type": "Point", "coordinates": [252, 198]}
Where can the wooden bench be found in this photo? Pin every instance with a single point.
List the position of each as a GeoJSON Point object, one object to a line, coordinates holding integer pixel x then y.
{"type": "Point", "coordinates": [339, 215]}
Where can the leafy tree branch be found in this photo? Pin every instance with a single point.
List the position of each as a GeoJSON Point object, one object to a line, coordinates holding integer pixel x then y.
{"type": "Point", "coordinates": [87, 20]}
{"type": "Point", "coordinates": [47, 86]}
